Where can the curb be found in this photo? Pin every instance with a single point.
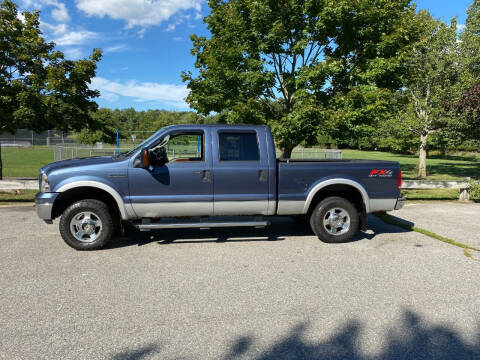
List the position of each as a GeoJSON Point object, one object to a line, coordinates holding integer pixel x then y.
{"type": "Point", "coordinates": [19, 204]}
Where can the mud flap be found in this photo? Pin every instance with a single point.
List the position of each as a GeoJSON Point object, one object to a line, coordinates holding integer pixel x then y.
{"type": "Point", "coordinates": [363, 220]}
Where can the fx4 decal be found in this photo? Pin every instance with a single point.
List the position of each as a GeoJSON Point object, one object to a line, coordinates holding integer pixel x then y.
{"type": "Point", "coordinates": [380, 173]}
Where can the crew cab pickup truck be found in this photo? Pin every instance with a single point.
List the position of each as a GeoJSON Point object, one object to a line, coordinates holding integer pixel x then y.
{"type": "Point", "coordinates": [197, 175]}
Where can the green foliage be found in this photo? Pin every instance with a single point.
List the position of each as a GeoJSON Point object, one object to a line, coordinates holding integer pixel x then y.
{"type": "Point", "coordinates": [300, 65]}
{"type": "Point", "coordinates": [39, 88]}
{"type": "Point", "coordinates": [474, 189]}
{"type": "Point", "coordinates": [470, 46]}
{"type": "Point", "coordinates": [433, 77]}
{"type": "Point", "coordinates": [107, 132]}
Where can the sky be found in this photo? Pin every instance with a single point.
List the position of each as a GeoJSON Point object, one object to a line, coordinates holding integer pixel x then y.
{"type": "Point", "coordinates": [146, 43]}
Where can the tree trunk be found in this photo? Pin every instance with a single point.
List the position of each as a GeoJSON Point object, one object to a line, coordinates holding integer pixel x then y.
{"type": "Point", "coordinates": [422, 157]}
{"type": "Point", "coordinates": [286, 152]}
{"type": "Point", "coordinates": [443, 150]}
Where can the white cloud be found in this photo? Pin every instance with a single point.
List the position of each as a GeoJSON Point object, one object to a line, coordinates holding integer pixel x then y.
{"type": "Point", "coordinates": [110, 97]}
{"type": "Point", "coordinates": [460, 27]}
{"type": "Point", "coordinates": [59, 29]}
{"type": "Point", "coordinates": [63, 36]}
{"type": "Point", "coordinates": [60, 13]}
{"type": "Point", "coordinates": [115, 48]}
{"type": "Point", "coordinates": [142, 13]}
{"type": "Point", "coordinates": [76, 37]}
{"type": "Point", "coordinates": [168, 94]}
{"type": "Point", "coordinates": [73, 53]}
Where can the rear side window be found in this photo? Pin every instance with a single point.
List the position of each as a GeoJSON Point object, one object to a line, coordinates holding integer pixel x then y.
{"type": "Point", "coordinates": [237, 146]}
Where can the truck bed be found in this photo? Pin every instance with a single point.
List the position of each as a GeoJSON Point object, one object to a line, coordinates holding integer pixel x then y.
{"type": "Point", "coordinates": [297, 178]}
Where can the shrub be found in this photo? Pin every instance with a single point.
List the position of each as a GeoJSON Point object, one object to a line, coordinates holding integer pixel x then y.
{"type": "Point", "coordinates": [474, 189]}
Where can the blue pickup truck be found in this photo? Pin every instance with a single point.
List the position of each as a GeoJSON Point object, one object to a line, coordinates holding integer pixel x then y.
{"type": "Point", "coordinates": [229, 170]}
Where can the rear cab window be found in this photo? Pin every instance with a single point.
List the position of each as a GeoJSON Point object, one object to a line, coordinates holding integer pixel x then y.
{"type": "Point", "coordinates": [238, 146]}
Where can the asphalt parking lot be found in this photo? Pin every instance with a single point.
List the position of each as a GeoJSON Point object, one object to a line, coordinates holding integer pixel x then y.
{"type": "Point", "coordinates": [275, 293]}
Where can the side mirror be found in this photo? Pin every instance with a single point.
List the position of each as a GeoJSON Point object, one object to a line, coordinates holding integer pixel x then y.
{"type": "Point", "coordinates": [145, 159]}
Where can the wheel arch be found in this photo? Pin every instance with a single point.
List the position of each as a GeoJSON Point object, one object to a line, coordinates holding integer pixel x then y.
{"type": "Point", "coordinates": [80, 190]}
{"type": "Point", "coordinates": [346, 188]}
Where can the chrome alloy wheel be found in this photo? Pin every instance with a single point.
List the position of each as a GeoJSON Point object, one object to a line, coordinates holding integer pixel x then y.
{"type": "Point", "coordinates": [336, 221]}
{"type": "Point", "coordinates": [86, 226]}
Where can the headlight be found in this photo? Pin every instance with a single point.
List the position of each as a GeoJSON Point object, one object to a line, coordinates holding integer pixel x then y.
{"type": "Point", "coordinates": [44, 186]}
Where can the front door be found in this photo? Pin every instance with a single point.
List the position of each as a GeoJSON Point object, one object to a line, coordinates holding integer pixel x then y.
{"type": "Point", "coordinates": [181, 187]}
{"type": "Point", "coordinates": [240, 173]}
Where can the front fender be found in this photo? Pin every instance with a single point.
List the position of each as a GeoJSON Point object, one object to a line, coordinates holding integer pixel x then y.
{"type": "Point", "coordinates": [98, 183]}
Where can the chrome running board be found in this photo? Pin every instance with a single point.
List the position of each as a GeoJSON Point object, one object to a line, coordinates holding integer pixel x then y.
{"type": "Point", "coordinates": [202, 225]}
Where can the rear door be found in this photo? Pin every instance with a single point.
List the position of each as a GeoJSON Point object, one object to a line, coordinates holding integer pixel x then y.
{"type": "Point", "coordinates": [240, 172]}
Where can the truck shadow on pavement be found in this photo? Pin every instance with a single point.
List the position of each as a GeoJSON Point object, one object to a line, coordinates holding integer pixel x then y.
{"type": "Point", "coordinates": [411, 338]}
{"type": "Point", "coordinates": [279, 230]}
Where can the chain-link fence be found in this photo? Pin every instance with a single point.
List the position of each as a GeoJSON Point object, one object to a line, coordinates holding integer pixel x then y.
{"type": "Point", "coordinates": [314, 153]}
{"type": "Point", "coordinates": [75, 152]}
{"type": "Point", "coordinates": [27, 138]}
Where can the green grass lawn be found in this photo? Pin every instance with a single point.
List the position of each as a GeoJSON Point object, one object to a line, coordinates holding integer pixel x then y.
{"type": "Point", "coordinates": [24, 196]}
{"type": "Point", "coordinates": [25, 162]}
{"type": "Point", "coordinates": [438, 168]}
{"type": "Point", "coordinates": [432, 194]}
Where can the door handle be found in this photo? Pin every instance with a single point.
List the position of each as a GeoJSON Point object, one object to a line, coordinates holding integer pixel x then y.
{"type": "Point", "coordinates": [262, 175]}
{"type": "Point", "coordinates": [206, 175]}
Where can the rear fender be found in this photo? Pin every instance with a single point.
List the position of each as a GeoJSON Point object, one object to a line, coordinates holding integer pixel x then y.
{"type": "Point", "coordinates": [337, 181]}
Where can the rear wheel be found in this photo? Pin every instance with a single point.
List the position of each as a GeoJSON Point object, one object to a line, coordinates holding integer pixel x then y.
{"type": "Point", "coordinates": [334, 220]}
{"type": "Point", "coordinates": [86, 225]}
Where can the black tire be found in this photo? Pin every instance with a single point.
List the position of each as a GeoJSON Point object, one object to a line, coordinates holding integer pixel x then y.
{"type": "Point", "coordinates": [100, 211]}
{"type": "Point", "coordinates": [324, 209]}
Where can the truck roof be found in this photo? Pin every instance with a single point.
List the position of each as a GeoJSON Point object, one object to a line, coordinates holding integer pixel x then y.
{"type": "Point", "coordinates": [233, 126]}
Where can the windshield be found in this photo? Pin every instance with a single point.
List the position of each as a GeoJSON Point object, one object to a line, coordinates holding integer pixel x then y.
{"type": "Point", "coordinates": [129, 153]}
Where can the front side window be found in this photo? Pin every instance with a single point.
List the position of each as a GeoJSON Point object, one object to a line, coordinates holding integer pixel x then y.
{"type": "Point", "coordinates": [237, 146]}
{"type": "Point", "coordinates": [179, 147]}
{"type": "Point", "coordinates": [185, 147]}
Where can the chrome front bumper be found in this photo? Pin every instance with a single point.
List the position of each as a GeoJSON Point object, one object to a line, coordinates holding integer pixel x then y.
{"type": "Point", "coordinates": [44, 205]}
{"type": "Point", "coordinates": [400, 203]}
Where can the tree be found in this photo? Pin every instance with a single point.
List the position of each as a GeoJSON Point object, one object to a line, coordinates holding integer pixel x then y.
{"type": "Point", "coordinates": [282, 62]}
{"type": "Point", "coordinates": [39, 88]}
{"type": "Point", "coordinates": [469, 46]}
{"type": "Point", "coordinates": [107, 133]}
{"type": "Point", "coordinates": [468, 107]}
{"type": "Point", "coordinates": [433, 79]}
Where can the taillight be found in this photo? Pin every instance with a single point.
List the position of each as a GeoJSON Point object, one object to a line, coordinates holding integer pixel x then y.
{"type": "Point", "coordinates": [399, 179]}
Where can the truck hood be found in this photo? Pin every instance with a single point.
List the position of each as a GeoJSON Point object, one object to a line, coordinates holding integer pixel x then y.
{"type": "Point", "coordinates": [64, 164]}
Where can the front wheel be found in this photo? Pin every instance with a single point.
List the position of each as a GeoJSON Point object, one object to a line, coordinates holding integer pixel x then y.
{"type": "Point", "coordinates": [334, 220]}
{"type": "Point", "coordinates": [86, 225]}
